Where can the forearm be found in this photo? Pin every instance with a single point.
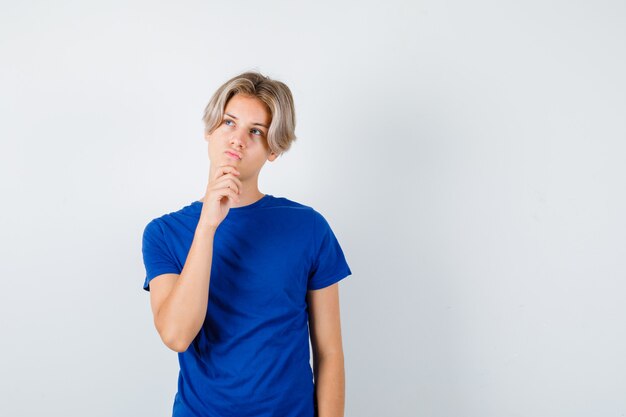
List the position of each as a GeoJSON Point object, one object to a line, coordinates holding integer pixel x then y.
{"type": "Point", "coordinates": [183, 312]}
{"type": "Point", "coordinates": [330, 385]}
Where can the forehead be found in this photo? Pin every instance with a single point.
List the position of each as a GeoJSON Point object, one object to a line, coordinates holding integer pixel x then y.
{"type": "Point", "coordinates": [249, 108]}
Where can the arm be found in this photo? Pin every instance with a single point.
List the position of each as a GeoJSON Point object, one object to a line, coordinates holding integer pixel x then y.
{"type": "Point", "coordinates": [325, 328]}
{"type": "Point", "coordinates": [179, 303]}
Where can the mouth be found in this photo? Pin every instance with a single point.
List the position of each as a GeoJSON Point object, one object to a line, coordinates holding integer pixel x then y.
{"type": "Point", "coordinates": [233, 155]}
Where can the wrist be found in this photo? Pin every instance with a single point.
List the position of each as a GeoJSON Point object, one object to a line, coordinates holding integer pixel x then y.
{"type": "Point", "coordinates": [205, 229]}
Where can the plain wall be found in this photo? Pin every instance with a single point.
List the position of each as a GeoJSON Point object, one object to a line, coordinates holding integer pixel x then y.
{"type": "Point", "coordinates": [468, 155]}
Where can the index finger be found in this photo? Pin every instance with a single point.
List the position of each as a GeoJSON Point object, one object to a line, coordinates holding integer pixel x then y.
{"type": "Point", "coordinates": [225, 169]}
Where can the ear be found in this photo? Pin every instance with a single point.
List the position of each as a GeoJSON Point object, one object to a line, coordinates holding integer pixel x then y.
{"type": "Point", "coordinates": [272, 156]}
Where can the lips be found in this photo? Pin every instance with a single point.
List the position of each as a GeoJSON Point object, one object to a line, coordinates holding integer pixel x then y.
{"type": "Point", "coordinates": [233, 155]}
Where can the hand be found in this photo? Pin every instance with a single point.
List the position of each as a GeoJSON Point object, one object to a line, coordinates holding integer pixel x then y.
{"type": "Point", "coordinates": [222, 192]}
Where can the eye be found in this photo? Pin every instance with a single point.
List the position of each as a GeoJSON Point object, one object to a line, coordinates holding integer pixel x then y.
{"type": "Point", "coordinates": [226, 121]}
{"type": "Point", "coordinates": [257, 132]}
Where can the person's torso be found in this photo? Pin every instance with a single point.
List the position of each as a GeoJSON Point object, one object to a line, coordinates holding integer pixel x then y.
{"type": "Point", "coordinates": [251, 356]}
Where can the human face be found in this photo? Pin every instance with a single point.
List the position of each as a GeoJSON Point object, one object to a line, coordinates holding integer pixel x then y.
{"type": "Point", "coordinates": [241, 138]}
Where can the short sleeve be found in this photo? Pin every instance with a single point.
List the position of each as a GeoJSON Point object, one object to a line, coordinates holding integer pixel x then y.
{"type": "Point", "coordinates": [329, 263]}
{"type": "Point", "coordinates": [157, 258]}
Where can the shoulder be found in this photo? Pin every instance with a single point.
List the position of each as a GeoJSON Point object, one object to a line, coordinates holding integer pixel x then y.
{"type": "Point", "coordinates": [168, 218]}
{"type": "Point", "coordinates": [304, 215]}
{"type": "Point", "coordinates": [285, 202]}
{"type": "Point", "coordinates": [298, 209]}
{"type": "Point", "coordinates": [153, 232]}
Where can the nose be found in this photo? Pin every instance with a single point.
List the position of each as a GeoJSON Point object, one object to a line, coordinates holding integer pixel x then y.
{"type": "Point", "coordinates": [238, 139]}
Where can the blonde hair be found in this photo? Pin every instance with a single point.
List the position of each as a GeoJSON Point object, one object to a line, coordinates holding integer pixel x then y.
{"type": "Point", "coordinates": [276, 96]}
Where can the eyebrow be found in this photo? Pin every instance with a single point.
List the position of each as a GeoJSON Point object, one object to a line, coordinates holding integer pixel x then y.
{"type": "Point", "coordinates": [255, 124]}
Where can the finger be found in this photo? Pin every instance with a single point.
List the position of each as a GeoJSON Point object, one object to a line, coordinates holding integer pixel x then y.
{"type": "Point", "coordinates": [225, 169]}
{"type": "Point", "coordinates": [237, 183]}
{"type": "Point", "coordinates": [226, 184]}
{"type": "Point", "coordinates": [225, 192]}
{"type": "Point", "coordinates": [231, 180]}
{"type": "Point", "coordinates": [219, 193]}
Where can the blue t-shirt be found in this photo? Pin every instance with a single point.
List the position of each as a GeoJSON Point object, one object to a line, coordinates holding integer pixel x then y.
{"type": "Point", "coordinates": [251, 356]}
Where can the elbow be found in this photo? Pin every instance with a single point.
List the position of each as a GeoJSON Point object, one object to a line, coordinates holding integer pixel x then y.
{"type": "Point", "coordinates": [174, 341]}
{"type": "Point", "coordinates": [177, 344]}
{"type": "Point", "coordinates": [175, 336]}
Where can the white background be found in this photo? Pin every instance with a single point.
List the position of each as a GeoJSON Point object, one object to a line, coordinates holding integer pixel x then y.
{"type": "Point", "coordinates": [468, 155]}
